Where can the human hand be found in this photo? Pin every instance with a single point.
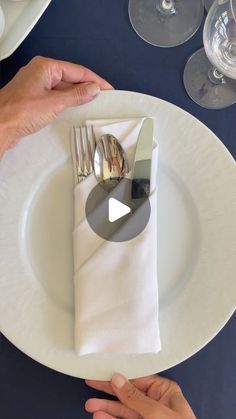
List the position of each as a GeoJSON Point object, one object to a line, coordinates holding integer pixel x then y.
{"type": "Point", "coordinates": [39, 92]}
{"type": "Point", "coordinates": [152, 397]}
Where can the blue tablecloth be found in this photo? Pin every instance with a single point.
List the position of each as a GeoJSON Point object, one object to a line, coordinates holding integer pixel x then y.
{"type": "Point", "coordinates": [98, 35]}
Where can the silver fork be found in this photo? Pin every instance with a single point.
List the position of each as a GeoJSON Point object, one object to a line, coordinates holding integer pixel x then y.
{"type": "Point", "coordinates": [83, 143]}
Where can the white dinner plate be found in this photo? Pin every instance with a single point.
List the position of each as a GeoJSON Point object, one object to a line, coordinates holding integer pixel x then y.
{"type": "Point", "coordinates": [196, 239]}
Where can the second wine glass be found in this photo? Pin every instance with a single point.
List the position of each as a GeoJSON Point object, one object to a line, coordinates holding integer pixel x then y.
{"type": "Point", "coordinates": [166, 23]}
{"type": "Point", "coordinates": [210, 75]}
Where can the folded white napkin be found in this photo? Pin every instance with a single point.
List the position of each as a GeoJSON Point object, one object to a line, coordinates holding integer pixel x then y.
{"type": "Point", "coordinates": [116, 293]}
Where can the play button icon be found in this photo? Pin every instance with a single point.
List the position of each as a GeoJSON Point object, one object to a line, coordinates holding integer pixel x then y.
{"type": "Point", "coordinates": [112, 216]}
{"type": "Point", "coordinates": [117, 210]}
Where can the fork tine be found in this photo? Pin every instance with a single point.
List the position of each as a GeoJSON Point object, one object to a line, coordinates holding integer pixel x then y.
{"type": "Point", "coordinates": [93, 140]}
{"type": "Point", "coordinates": [76, 145]}
{"type": "Point", "coordinates": [91, 150]}
{"type": "Point", "coordinates": [88, 157]}
{"type": "Point", "coordinates": [73, 154]}
{"type": "Point", "coordinates": [80, 146]}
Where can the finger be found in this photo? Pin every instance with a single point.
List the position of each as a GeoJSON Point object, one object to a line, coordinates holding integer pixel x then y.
{"type": "Point", "coordinates": [111, 407]}
{"type": "Point", "coordinates": [145, 382]}
{"type": "Point", "coordinates": [179, 404]}
{"type": "Point", "coordinates": [77, 94]}
{"type": "Point", "coordinates": [133, 398]}
{"type": "Point", "coordinates": [161, 388]}
{"type": "Point", "coordinates": [75, 73]}
{"type": "Point", "coordinates": [62, 85]}
{"type": "Point", "coordinates": [102, 415]}
{"type": "Point", "coordinates": [157, 387]}
{"type": "Point", "coordinates": [141, 383]}
{"type": "Point", "coordinates": [104, 386]}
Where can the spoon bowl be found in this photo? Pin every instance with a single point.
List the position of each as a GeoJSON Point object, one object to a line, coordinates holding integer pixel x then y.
{"type": "Point", "coordinates": [110, 162]}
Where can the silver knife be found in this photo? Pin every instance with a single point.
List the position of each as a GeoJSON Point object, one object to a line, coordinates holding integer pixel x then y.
{"type": "Point", "coordinates": [142, 165]}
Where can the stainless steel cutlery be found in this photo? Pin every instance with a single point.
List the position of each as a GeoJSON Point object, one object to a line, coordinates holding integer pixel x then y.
{"type": "Point", "coordinates": [110, 162]}
{"type": "Point", "coordinates": [142, 165]}
{"type": "Point", "coordinates": [83, 143]}
{"type": "Point", "coordinates": [107, 159]}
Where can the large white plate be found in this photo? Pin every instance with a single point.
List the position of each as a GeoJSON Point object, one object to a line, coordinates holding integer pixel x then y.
{"type": "Point", "coordinates": [196, 239]}
{"type": "Point", "coordinates": [20, 18]}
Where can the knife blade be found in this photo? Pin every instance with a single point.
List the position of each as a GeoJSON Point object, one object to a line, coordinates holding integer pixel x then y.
{"type": "Point", "coordinates": [140, 189]}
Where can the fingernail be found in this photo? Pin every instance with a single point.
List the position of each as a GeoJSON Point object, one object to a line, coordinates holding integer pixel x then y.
{"type": "Point", "coordinates": [92, 89]}
{"type": "Point", "coordinates": [118, 380]}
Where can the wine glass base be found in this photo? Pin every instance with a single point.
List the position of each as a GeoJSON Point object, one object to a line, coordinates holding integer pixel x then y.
{"type": "Point", "coordinates": [165, 30]}
{"type": "Point", "coordinates": [201, 89]}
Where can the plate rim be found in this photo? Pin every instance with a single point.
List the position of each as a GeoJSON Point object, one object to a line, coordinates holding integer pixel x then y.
{"type": "Point", "coordinates": [226, 317]}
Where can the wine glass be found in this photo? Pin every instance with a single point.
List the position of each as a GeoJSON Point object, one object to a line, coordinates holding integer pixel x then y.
{"type": "Point", "coordinates": [210, 75]}
{"type": "Point", "coordinates": [166, 23]}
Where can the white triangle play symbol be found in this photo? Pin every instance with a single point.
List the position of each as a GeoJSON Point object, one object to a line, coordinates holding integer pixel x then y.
{"type": "Point", "coordinates": [117, 210]}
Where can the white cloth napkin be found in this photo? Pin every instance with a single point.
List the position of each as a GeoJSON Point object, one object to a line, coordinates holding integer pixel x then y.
{"type": "Point", "coordinates": [116, 293]}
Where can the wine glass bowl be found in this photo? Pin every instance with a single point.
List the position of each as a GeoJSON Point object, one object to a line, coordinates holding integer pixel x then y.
{"type": "Point", "coordinates": [219, 38]}
{"type": "Point", "coordinates": [210, 75]}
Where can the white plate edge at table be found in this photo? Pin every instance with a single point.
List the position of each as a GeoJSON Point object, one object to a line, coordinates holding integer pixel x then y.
{"type": "Point", "coordinates": [127, 104]}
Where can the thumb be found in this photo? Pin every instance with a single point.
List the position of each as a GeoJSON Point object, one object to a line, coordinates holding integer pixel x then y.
{"type": "Point", "coordinates": [77, 94]}
{"type": "Point", "coordinates": [133, 398]}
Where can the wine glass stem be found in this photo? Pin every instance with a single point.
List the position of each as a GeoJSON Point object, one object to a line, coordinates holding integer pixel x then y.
{"type": "Point", "coordinates": [215, 76]}
{"type": "Point", "coordinates": [166, 7]}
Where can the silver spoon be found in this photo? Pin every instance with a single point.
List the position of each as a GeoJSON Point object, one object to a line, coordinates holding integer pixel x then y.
{"type": "Point", "coordinates": [110, 162]}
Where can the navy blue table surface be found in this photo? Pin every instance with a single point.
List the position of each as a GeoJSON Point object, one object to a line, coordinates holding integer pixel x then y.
{"type": "Point", "coordinates": [98, 35]}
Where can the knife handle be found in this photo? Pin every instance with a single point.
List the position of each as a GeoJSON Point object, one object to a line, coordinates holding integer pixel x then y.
{"type": "Point", "coordinates": [140, 188]}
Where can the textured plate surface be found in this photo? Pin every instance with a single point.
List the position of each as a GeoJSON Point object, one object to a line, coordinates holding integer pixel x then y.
{"type": "Point", "coordinates": [196, 239]}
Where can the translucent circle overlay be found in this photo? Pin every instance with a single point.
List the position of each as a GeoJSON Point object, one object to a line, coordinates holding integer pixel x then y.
{"type": "Point", "coordinates": [124, 228]}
